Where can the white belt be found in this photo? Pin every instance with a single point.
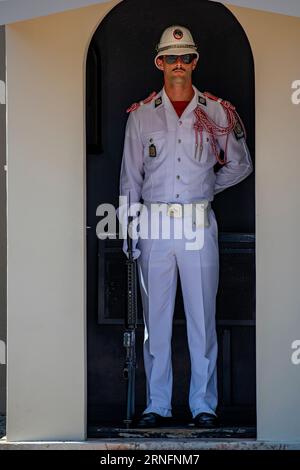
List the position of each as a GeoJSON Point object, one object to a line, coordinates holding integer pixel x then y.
{"type": "Point", "coordinates": [197, 209]}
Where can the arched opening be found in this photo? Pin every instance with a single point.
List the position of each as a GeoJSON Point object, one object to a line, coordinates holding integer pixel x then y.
{"type": "Point", "coordinates": [120, 70]}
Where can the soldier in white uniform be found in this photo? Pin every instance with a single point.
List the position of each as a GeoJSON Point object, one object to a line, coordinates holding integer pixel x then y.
{"type": "Point", "coordinates": [172, 144]}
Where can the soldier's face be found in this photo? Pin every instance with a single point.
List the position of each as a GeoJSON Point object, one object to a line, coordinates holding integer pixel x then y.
{"type": "Point", "coordinates": [179, 72]}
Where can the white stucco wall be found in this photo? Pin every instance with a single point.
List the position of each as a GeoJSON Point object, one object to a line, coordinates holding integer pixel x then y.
{"type": "Point", "coordinates": [18, 10]}
{"type": "Point", "coordinates": [275, 42]}
{"type": "Point", "coordinates": [46, 218]}
{"type": "Point", "coordinates": [46, 225]}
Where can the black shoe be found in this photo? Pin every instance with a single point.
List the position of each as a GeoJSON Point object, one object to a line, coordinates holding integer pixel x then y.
{"type": "Point", "coordinates": [206, 420]}
{"type": "Point", "coordinates": [151, 420]}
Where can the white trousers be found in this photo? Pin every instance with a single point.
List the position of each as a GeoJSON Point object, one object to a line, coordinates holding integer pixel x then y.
{"type": "Point", "coordinates": [158, 267]}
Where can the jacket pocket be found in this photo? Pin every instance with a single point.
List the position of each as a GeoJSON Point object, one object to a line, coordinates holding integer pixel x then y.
{"type": "Point", "coordinates": [154, 145]}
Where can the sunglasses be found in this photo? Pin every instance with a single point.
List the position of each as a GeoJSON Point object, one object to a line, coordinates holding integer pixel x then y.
{"type": "Point", "coordinates": [185, 58]}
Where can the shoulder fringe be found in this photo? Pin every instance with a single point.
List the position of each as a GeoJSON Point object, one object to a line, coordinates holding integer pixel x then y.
{"type": "Point", "coordinates": [135, 106]}
{"type": "Point", "coordinates": [224, 103]}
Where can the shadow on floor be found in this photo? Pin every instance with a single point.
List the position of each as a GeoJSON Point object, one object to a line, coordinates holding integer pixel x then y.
{"type": "Point", "coordinates": [173, 432]}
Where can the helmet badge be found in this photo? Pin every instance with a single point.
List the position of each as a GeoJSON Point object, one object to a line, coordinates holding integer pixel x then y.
{"type": "Point", "coordinates": [178, 34]}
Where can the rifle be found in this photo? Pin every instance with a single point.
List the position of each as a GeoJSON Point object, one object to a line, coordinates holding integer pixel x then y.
{"type": "Point", "coordinates": [130, 327]}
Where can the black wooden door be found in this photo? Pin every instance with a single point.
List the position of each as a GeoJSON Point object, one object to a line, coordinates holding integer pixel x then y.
{"type": "Point", "coordinates": [120, 70]}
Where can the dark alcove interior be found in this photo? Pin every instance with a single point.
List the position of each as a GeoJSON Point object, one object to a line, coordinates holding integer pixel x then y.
{"type": "Point", "coordinates": [120, 71]}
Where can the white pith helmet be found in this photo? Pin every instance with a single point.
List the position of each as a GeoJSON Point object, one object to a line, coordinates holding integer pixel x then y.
{"type": "Point", "coordinates": [176, 40]}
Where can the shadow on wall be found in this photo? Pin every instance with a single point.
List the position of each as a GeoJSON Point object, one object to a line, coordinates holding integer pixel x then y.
{"type": "Point", "coordinates": [2, 426]}
{"type": "Point", "coordinates": [2, 224]}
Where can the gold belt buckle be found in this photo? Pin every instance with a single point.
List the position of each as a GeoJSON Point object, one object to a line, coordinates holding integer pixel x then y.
{"type": "Point", "coordinates": [174, 210]}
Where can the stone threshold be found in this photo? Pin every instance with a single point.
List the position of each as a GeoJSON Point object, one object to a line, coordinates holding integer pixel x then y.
{"type": "Point", "coordinates": [151, 444]}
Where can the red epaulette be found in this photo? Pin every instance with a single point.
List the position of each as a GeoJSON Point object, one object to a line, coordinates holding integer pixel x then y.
{"type": "Point", "coordinates": [135, 106]}
{"type": "Point", "coordinates": [225, 103]}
